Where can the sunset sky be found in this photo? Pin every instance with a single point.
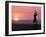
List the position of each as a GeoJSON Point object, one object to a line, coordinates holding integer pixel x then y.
{"type": "Point", "coordinates": [25, 12]}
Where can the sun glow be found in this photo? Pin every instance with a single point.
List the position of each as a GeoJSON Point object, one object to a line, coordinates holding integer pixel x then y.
{"type": "Point", "coordinates": [16, 19]}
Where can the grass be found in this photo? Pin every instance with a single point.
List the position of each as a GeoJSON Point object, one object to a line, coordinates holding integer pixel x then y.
{"type": "Point", "coordinates": [17, 27]}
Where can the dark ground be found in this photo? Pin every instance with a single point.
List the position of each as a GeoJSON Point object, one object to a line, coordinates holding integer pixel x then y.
{"type": "Point", "coordinates": [16, 27]}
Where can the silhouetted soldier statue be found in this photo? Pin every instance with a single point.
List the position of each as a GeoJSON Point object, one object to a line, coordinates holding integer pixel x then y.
{"type": "Point", "coordinates": [35, 14]}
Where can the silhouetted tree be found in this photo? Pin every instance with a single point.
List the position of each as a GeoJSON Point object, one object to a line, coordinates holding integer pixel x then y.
{"type": "Point", "coordinates": [35, 14]}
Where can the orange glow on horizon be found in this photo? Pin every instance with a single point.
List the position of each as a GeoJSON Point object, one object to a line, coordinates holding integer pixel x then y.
{"type": "Point", "coordinates": [16, 19]}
